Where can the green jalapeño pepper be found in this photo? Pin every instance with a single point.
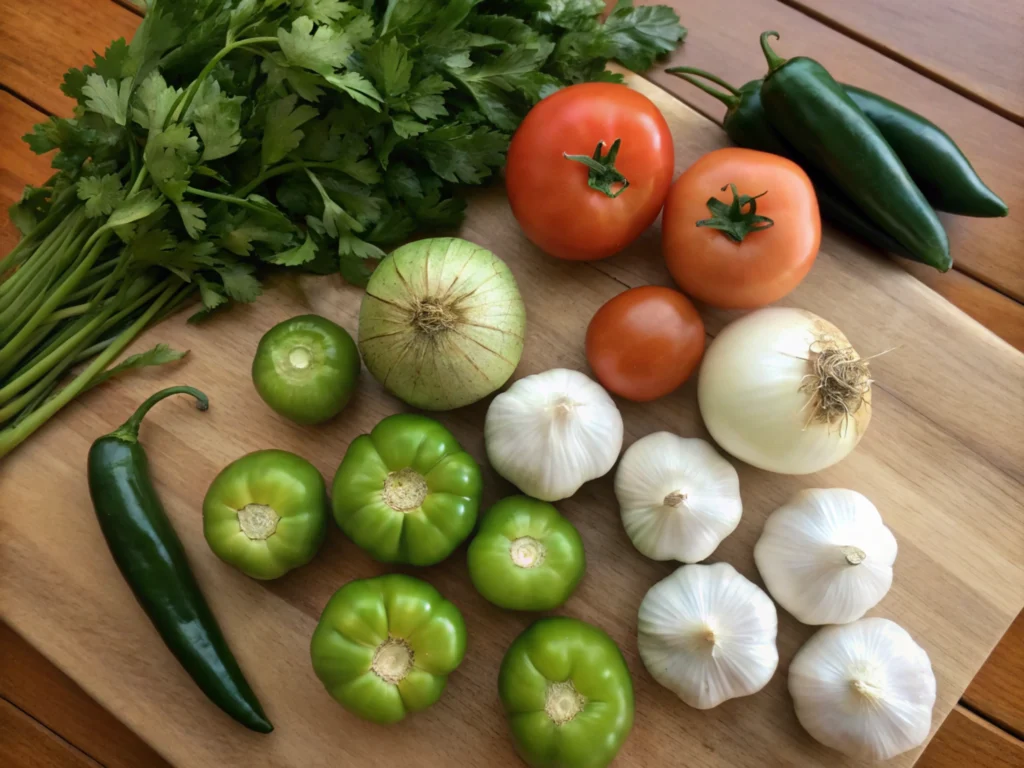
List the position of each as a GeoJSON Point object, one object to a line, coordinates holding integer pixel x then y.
{"type": "Point", "coordinates": [526, 556]}
{"type": "Point", "coordinates": [407, 492]}
{"type": "Point", "coordinates": [384, 647]}
{"type": "Point", "coordinates": [266, 513]}
{"type": "Point", "coordinates": [306, 368]}
{"type": "Point", "coordinates": [152, 560]}
{"type": "Point", "coordinates": [567, 693]}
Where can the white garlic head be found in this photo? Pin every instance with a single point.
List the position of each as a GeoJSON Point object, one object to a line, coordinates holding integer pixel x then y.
{"type": "Point", "coordinates": [866, 689]}
{"type": "Point", "coordinates": [826, 556]}
{"type": "Point", "coordinates": [552, 432]}
{"type": "Point", "coordinates": [707, 633]}
{"type": "Point", "coordinates": [678, 497]}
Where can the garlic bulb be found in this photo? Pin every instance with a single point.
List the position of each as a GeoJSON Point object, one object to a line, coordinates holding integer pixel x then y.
{"type": "Point", "coordinates": [826, 556]}
{"type": "Point", "coordinates": [866, 689]}
{"type": "Point", "coordinates": [678, 497]}
{"type": "Point", "coordinates": [708, 634]}
{"type": "Point", "coordinates": [552, 432]}
{"type": "Point", "coordinates": [782, 389]}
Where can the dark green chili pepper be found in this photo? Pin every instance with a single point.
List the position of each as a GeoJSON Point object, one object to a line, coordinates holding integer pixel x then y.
{"type": "Point", "coordinates": [747, 125]}
{"type": "Point", "coordinates": [932, 158]}
{"type": "Point", "coordinates": [812, 112]}
{"type": "Point", "coordinates": [152, 561]}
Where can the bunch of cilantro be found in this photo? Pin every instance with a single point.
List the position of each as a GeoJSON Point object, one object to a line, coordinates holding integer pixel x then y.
{"type": "Point", "coordinates": [233, 136]}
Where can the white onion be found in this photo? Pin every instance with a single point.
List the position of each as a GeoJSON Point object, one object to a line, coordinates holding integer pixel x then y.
{"type": "Point", "coordinates": [784, 390]}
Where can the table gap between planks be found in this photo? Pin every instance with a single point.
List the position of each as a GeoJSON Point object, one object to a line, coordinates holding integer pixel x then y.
{"type": "Point", "coordinates": [31, 68]}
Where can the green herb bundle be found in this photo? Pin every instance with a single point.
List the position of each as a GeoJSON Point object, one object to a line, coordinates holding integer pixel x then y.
{"type": "Point", "coordinates": [234, 134]}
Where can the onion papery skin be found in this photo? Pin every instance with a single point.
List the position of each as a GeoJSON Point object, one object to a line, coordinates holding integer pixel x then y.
{"type": "Point", "coordinates": [753, 398]}
{"type": "Point", "coordinates": [442, 323]}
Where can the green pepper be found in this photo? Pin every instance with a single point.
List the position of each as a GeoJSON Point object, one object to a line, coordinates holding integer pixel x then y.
{"type": "Point", "coordinates": [933, 160]}
{"type": "Point", "coordinates": [407, 492]}
{"type": "Point", "coordinates": [814, 114]}
{"type": "Point", "coordinates": [384, 647]}
{"type": "Point", "coordinates": [152, 560]}
{"type": "Point", "coordinates": [526, 556]}
{"type": "Point", "coordinates": [266, 513]}
{"type": "Point", "coordinates": [567, 694]}
{"type": "Point", "coordinates": [306, 368]}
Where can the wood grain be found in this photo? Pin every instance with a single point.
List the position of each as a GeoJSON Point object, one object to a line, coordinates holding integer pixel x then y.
{"type": "Point", "coordinates": [943, 468]}
{"type": "Point", "coordinates": [975, 46]}
{"type": "Point", "coordinates": [36, 687]}
{"type": "Point", "coordinates": [965, 740]}
{"type": "Point", "coordinates": [24, 743]}
{"type": "Point", "coordinates": [983, 248]}
{"type": "Point", "coordinates": [39, 42]}
{"type": "Point", "coordinates": [998, 690]}
{"type": "Point", "coordinates": [19, 166]}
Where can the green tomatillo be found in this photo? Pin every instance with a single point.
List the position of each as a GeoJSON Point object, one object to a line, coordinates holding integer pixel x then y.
{"type": "Point", "coordinates": [567, 693]}
{"type": "Point", "coordinates": [306, 368]}
{"type": "Point", "coordinates": [266, 513]}
{"type": "Point", "coordinates": [526, 556]}
{"type": "Point", "coordinates": [407, 492]}
{"type": "Point", "coordinates": [384, 647]}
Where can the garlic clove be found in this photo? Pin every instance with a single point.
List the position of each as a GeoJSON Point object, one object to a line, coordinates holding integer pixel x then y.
{"type": "Point", "coordinates": [678, 497]}
{"type": "Point", "coordinates": [866, 689]}
{"type": "Point", "coordinates": [826, 556]}
{"type": "Point", "coordinates": [551, 432]}
{"type": "Point", "coordinates": [707, 633]}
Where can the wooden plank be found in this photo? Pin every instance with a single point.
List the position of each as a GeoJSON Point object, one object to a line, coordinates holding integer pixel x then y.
{"type": "Point", "coordinates": [35, 686]}
{"type": "Point", "coordinates": [32, 63]}
{"type": "Point", "coordinates": [24, 743]}
{"type": "Point", "coordinates": [976, 46]}
{"type": "Point", "coordinates": [998, 690]}
{"type": "Point", "coordinates": [944, 470]}
{"type": "Point", "coordinates": [20, 166]}
{"type": "Point", "coordinates": [983, 248]}
{"type": "Point", "coordinates": [967, 740]}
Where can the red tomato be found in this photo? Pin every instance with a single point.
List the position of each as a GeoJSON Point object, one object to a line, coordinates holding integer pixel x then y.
{"type": "Point", "coordinates": [765, 265]}
{"type": "Point", "coordinates": [553, 197]}
{"type": "Point", "coordinates": [645, 342]}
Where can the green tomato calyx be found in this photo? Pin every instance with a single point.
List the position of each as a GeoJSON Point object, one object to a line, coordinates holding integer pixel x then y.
{"type": "Point", "coordinates": [527, 552]}
{"type": "Point", "coordinates": [563, 702]}
{"type": "Point", "coordinates": [404, 489]}
{"type": "Point", "coordinates": [258, 521]}
{"type": "Point", "coordinates": [392, 660]}
{"type": "Point", "coordinates": [674, 499]}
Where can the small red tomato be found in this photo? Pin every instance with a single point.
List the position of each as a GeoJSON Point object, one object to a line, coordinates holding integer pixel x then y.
{"type": "Point", "coordinates": [645, 342]}
{"type": "Point", "coordinates": [588, 170]}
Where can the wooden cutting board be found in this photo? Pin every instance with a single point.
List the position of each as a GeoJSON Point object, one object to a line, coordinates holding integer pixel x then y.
{"type": "Point", "coordinates": [943, 460]}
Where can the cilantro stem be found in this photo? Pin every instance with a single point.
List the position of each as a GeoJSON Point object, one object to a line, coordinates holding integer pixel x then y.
{"type": "Point", "coordinates": [278, 170]}
{"type": "Point", "coordinates": [11, 437]}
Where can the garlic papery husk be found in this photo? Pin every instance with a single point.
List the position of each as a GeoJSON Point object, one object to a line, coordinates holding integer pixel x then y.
{"type": "Point", "coordinates": [826, 556]}
{"type": "Point", "coordinates": [552, 432]}
{"type": "Point", "coordinates": [784, 390]}
{"type": "Point", "coordinates": [678, 497]}
{"type": "Point", "coordinates": [866, 689]}
{"type": "Point", "coordinates": [707, 633]}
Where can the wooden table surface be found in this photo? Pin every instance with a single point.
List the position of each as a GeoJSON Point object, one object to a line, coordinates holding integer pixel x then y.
{"type": "Point", "coordinates": [959, 64]}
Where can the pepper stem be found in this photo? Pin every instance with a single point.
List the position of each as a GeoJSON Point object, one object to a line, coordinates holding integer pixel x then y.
{"type": "Point", "coordinates": [603, 173]}
{"type": "Point", "coordinates": [774, 60]}
{"type": "Point", "coordinates": [129, 431]}
{"type": "Point", "coordinates": [731, 219]}
{"type": "Point", "coordinates": [690, 75]}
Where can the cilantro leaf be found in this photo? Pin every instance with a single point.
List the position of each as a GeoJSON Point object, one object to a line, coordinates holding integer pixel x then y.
{"type": "Point", "coordinates": [639, 35]}
{"type": "Point", "coordinates": [406, 127]}
{"type": "Point", "coordinates": [161, 354]}
{"type": "Point", "coordinates": [239, 282]}
{"type": "Point", "coordinates": [156, 99]}
{"type": "Point", "coordinates": [107, 98]}
{"type": "Point", "coordinates": [323, 50]}
{"type": "Point", "coordinates": [170, 156]}
{"type": "Point", "coordinates": [100, 193]}
{"type": "Point", "coordinates": [281, 132]}
{"type": "Point", "coordinates": [192, 217]}
{"type": "Point", "coordinates": [324, 11]}
{"type": "Point", "coordinates": [218, 122]}
{"type": "Point", "coordinates": [460, 153]}
{"type": "Point", "coordinates": [388, 63]}
{"type": "Point", "coordinates": [358, 87]}
{"type": "Point", "coordinates": [293, 257]}
{"type": "Point", "coordinates": [137, 206]}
